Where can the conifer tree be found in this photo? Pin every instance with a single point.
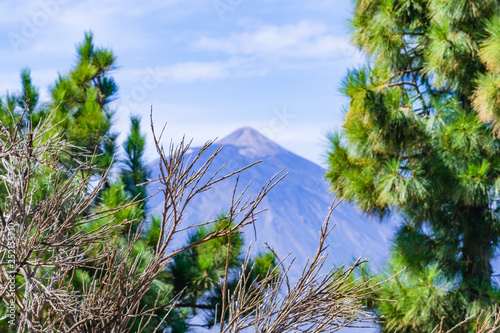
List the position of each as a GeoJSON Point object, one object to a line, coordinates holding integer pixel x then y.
{"type": "Point", "coordinates": [30, 94]}
{"type": "Point", "coordinates": [413, 142]}
{"type": "Point", "coordinates": [135, 172]}
{"type": "Point", "coordinates": [82, 99]}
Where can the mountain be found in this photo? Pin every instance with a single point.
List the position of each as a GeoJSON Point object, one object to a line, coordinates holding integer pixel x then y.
{"type": "Point", "coordinates": [297, 206]}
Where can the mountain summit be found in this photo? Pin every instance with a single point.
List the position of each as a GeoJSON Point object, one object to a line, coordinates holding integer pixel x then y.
{"type": "Point", "coordinates": [251, 143]}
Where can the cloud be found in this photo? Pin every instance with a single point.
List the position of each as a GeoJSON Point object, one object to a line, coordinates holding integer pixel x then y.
{"type": "Point", "coordinates": [43, 26]}
{"type": "Point", "coordinates": [304, 40]}
{"type": "Point", "coordinates": [196, 71]}
{"type": "Point", "coordinates": [259, 50]}
{"type": "Point", "coordinates": [262, 49]}
{"type": "Point", "coordinates": [216, 70]}
{"type": "Point", "coordinates": [189, 71]}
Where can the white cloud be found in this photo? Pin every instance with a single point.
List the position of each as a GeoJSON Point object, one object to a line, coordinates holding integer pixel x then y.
{"type": "Point", "coordinates": [195, 71]}
{"type": "Point", "coordinates": [216, 70]}
{"type": "Point", "coordinates": [44, 26]}
{"type": "Point", "coordinates": [261, 49]}
{"type": "Point", "coordinates": [258, 52]}
{"type": "Point", "coordinates": [187, 72]}
{"type": "Point", "coordinates": [310, 40]}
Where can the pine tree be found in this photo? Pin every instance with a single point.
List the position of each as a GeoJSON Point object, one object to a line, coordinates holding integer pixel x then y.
{"type": "Point", "coordinates": [82, 99]}
{"type": "Point", "coordinates": [412, 139]}
{"type": "Point", "coordinates": [135, 172]}
{"type": "Point", "coordinates": [30, 94]}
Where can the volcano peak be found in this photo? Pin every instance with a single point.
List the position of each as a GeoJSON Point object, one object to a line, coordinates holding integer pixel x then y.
{"type": "Point", "coordinates": [251, 143]}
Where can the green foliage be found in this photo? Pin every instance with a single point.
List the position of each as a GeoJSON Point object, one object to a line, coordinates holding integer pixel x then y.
{"type": "Point", "coordinates": [135, 171]}
{"type": "Point", "coordinates": [153, 233]}
{"type": "Point", "coordinates": [262, 263]}
{"type": "Point", "coordinates": [420, 299]}
{"type": "Point", "coordinates": [196, 273]}
{"type": "Point", "coordinates": [413, 142]}
{"type": "Point", "coordinates": [82, 99]}
{"type": "Point", "coordinates": [160, 291]}
{"type": "Point", "coordinates": [111, 198]}
{"type": "Point", "coordinates": [4, 326]}
{"type": "Point", "coordinates": [199, 269]}
{"type": "Point", "coordinates": [30, 95]}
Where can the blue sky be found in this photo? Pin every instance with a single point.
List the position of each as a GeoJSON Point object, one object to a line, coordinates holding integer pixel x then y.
{"type": "Point", "coordinates": [208, 67]}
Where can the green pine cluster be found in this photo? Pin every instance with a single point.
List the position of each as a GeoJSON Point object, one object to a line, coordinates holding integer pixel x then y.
{"type": "Point", "coordinates": [420, 138]}
{"type": "Point", "coordinates": [82, 98]}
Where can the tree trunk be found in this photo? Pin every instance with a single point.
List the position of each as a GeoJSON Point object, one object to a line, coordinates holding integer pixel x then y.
{"type": "Point", "coordinates": [477, 252]}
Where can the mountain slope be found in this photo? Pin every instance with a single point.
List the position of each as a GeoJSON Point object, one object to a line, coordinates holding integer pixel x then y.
{"type": "Point", "coordinates": [296, 207]}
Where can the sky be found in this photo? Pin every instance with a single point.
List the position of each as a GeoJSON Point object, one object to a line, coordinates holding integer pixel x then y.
{"type": "Point", "coordinates": [205, 67]}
